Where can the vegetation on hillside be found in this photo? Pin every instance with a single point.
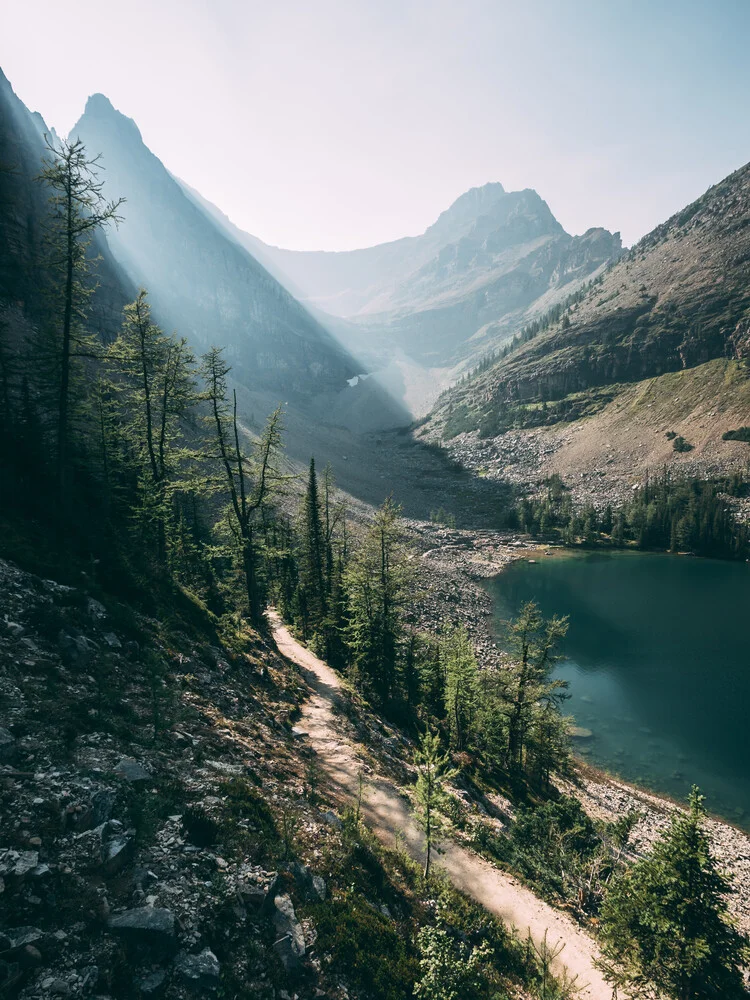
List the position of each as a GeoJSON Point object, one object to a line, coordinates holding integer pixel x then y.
{"type": "Point", "coordinates": [666, 513]}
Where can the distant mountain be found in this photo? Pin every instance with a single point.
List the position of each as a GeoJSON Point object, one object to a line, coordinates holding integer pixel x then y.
{"type": "Point", "coordinates": [199, 280]}
{"type": "Point", "coordinates": [23, 209]}
{"type": "Point", "coordinates": [462, 287]}
{"type": "Point", "coordinates": [659, 347]}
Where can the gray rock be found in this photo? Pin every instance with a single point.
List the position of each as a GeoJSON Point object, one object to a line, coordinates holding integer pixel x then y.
{"type": "Point", "coordinates": [151, 926]}
{"type": "Point", "coordinates": [333, 820]}
{"type": "Point", "coordinates": [75, 650]}
{"type": "Point", "coordinates": [117, 853]}
{"type": "Point", "coordinates": [290, 938]}
{"type": "Point", "coordinates": [319, 887]}
{"type": "Point", "coordinates": [16, 938]}
{"type": "Point", "coordinates": [102, 804]}
{"type": "Point", "coordinates": [200, 972]}
{"type": "Point", "coordinates": [153, 984]}
{"type": "Point", "coordinates": [132, 771]}
{"type": "Point", "coordinates": [8, 745]}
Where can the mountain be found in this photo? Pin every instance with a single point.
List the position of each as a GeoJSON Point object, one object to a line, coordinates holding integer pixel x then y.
{"type": "Point", "coordinates": [23, 209]}
{"type": "Point", "coordinates": [462, 287]}
{"type": "Point", "coordinates": [201, 282]}
{"type": "Point", "coordinates": [658, 348]}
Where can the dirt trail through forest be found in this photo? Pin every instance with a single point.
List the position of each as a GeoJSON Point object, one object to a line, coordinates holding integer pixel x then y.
{"type": "Point", "coordinates": [388, 813]}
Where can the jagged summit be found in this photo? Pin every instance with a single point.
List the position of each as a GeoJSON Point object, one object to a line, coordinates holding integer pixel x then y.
{"type": "Point", "coordinates": [100, 109]}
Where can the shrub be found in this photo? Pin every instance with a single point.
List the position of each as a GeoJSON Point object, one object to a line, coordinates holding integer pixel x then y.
{"type": "Point", "coordinates": [740, 434]}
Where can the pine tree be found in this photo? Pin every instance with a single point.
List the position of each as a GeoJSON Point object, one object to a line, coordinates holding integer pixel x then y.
{"type": "Point", "coordinates": [376, 582]}
{"type": "Point", "coordinates": [313, 558]}
{"type": "Point", "coordinates": [529, 684]}
{"type": "Point", "coordinates": [665, 926]}
{"type": "Point", "coordinates": [433, 772]}
{"type": "Point", "coordinates": [153, 383]}
{"type": "Point", "coordinates": [461, 685]}
{"type": "Point", "coordinates": [77, 210]}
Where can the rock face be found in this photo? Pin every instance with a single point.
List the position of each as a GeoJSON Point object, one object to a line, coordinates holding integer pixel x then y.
{"type": "Point", "coordinates": [459, 288]}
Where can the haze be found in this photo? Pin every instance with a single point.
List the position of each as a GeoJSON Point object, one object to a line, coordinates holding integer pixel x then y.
{"type": "Point", "coordinates": [336, 125]}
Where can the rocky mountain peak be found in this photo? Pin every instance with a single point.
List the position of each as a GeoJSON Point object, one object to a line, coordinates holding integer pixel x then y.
{"type": "Point", "coordinates": [100, 109]}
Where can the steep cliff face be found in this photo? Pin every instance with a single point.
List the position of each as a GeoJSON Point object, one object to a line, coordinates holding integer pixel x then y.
{"type": "Point", "coordinates": [200, 281]}
{"type": "Point", "coordinates": [23, 209]}
{"type": "Point", "coordinates": [459, 289]}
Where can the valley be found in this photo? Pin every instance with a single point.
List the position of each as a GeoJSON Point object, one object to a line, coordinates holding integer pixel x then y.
{"type": "Point", "coordinates": [368, 617]}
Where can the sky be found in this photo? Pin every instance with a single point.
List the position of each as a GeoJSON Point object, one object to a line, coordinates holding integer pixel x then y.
{"type": "Point", "coordinates": [334, 124]}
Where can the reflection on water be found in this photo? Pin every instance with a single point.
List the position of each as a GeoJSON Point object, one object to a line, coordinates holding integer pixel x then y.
{"type": "Point", "coordinates": [658, 661]}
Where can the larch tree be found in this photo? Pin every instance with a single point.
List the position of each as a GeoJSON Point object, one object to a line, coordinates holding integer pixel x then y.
{"type": "Point", "coordinates": [433, 773]}
{"type": "Point", "coordinates": [153, 381]}
{"type": "Point", "coordinates": [529, 685]}
{"type": "Point", "coordinates": [251, 482]}
{"type": "Point", "coordinates": [77, 210]}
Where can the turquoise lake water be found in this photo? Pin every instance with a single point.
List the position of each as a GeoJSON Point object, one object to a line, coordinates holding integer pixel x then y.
{"type": "Point", "coordinates": [658, 661]}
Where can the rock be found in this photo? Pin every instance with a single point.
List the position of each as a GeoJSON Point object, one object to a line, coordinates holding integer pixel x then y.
{"type": "Point", "coordinates": [75, 650]}
{"type": "Point", "coordinates": [312, 887]}
{"type": "Point", "coordinates": [102, 804]}
{"type": "Point", "coordinates": [112, 641]}
{"type": "Point", "coordinates": [16, 938]}
{"type": "Point", "coordinates": [200, 972]}
{"type": "Point", "coordinates": [117, 853]}
{"type": "Point", "coordinates": [132, 771]}
{"type": "Point", "coordinates": [18, 863]}
{"type": "Point", "coordinates": [89, 979]}
{"type": "Point", "coordinates": [332, 819]}
{"type": "Point", "coordinates": [319, 887]}
{"type": "Point", "coordinates": [153, 984]}
{"type": "Point", "coordinates": [259, 897]}
{"type": "Point", "coordinates": [151, 926]}
{"type": "Point", "coordinates": [290, 938]}
{"type": "Point", "coordinates": [8, 745]}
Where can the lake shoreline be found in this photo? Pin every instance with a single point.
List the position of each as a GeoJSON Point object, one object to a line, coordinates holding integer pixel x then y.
{"type": "Point", "coordinates": [453, 564]}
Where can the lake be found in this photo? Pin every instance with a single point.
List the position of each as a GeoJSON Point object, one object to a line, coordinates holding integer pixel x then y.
{"type": "Point", "coordinates": [658, 661]}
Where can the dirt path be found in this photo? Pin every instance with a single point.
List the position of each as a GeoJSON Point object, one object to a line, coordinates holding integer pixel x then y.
{"type": "Point", "coordinates": [388, 813]}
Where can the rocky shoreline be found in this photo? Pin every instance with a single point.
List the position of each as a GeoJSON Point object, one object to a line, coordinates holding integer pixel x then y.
{"type": "Point", "coordinates": [452, 561]}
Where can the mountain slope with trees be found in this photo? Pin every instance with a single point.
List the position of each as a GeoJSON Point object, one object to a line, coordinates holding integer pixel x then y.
{"type": "Point", "coordinates": [654, 352]}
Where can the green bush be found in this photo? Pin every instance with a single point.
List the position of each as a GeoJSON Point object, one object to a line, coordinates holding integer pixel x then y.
{"type": "Point", "coordinates": [366, 949]}
{"type": "Point", "coordinates": [740, 434]}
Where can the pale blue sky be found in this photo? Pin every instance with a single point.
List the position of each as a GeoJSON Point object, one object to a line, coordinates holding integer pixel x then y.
{"type": "Point", "coordinates": [322, 124]}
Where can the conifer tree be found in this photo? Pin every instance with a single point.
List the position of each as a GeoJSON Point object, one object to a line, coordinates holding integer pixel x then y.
{"type": "Point", "coordinates": [461, 685]}
{"type": "Point", "coordinates": [313, 557]}
{"type": "Point", "coordinates": [154, 387]}
{"type": "Point", "coordinates": [433, 773]}
{"type": "Point", "coordinates": [77, 210]}
{"type": "Point", "coordinates": [529, 684]}
{"type": "Point", "coordinates": [665, 926]}
{"type": "Point", "coordinates": [250, 483]}
{"type": "Point", "coordinates": [376, 582]}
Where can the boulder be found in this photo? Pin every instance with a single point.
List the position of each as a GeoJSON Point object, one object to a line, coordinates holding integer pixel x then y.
{"type": "Point", "coordinates": [290, 938]}
{"type": "Point", "coordinates": [117, 853]}
{"type": "Point", "coordinates": [149, 926]}
{"type": "Point", "coordinates": [132, 771]}
{"type": "Point", "coordinates": [200, 972]}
